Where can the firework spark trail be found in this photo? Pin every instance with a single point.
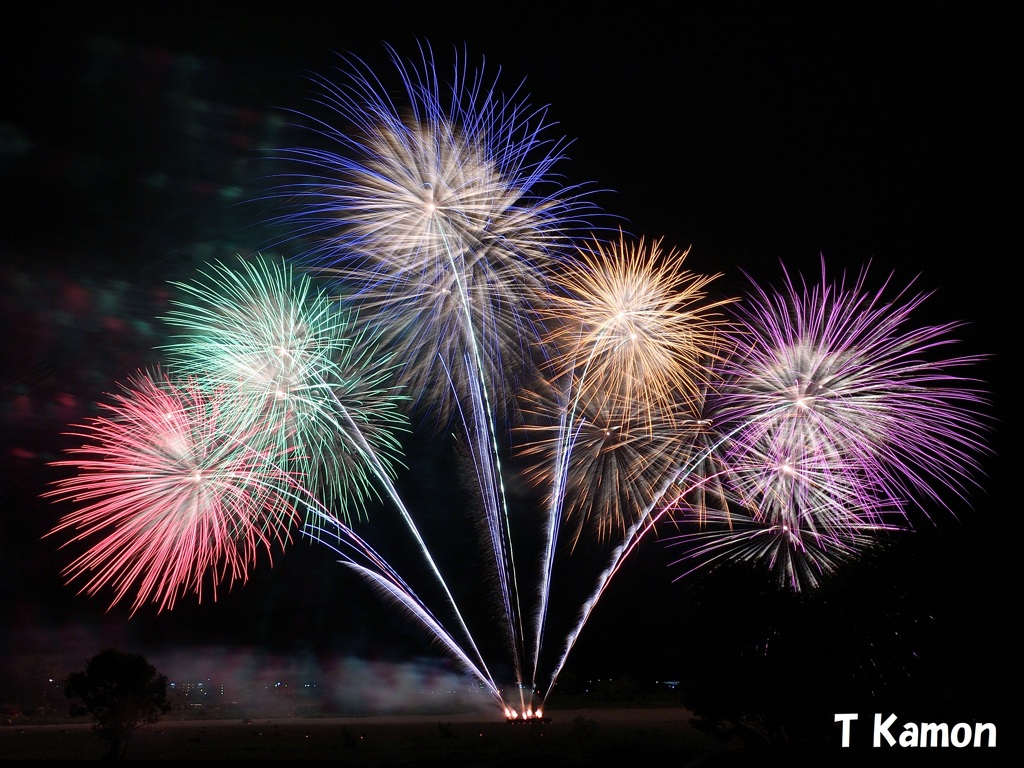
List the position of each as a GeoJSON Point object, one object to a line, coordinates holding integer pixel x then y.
{"type": "Point", "coordinates": [566, 443]}
{"type": "Point", "coordinates": [385, 578]}
{"type": "Point", "coordinates": [417, 609]}
{"type": "Point", "coordinates": [873, 424]}
{"type": "Point", "coordinates": [442, 218]}
{"type": "Point", "coordinates": [551, 530]}
{"type": "Point", "coordinates": [382, 475]}
{"type": "Point", "coordinates": [646, 331]}
{"type": "Point", "coordinates": [488, 464]}
{"type": "Point", "coordinates": [174, 488]}
{"type": "Point", "coordinates": [499, 536]}
{"type": "Point", "coordinates": [644, 523]}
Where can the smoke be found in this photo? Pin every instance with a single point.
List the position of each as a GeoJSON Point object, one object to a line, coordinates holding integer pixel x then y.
{"type": "Point", "coordinates": [258, 682]}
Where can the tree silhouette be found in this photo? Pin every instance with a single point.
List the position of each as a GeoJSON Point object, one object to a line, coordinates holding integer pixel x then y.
{"type": "Point", "coordinates": [122, 692]}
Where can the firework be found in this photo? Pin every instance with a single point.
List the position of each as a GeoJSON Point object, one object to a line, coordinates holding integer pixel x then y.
{"type": "Point", "coordinates": [174, 490]}
{"type": "Point", "coordinates": [840, 414]}
{"type": "Point", "coordinates": [286, 356]}
{"type": "Point", "coordinates": [291, 360]}
{"type": "Point", "coordinates": [617, 457]}
{"type": "Point", "coordinates": [793, 435]}
{"type": "Point", "coordinates": [439, 213]}
{"type": "Point", "coordinates": [799, 560]}
{"type": "Point", "coordinates": [630, 336]}
{"type": "Point", "coordinates": [629, 322]}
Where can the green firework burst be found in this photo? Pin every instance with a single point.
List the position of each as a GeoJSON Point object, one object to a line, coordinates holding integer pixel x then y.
{"type": "Point", "coordinates": [287, 355]}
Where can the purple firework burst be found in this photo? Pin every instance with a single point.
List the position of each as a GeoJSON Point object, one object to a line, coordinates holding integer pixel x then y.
{"type": "Point", "coordinates": [838, 417]}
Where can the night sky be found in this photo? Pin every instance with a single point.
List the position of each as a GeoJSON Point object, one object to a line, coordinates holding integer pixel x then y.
{"type": "Point", "coordinates": [131, 153]}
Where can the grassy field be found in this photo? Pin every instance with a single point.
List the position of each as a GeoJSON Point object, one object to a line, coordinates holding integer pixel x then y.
{"type": "Point", "coordinates": [631, 738]}
{"type": "Point", "coordinates": [573, 738]}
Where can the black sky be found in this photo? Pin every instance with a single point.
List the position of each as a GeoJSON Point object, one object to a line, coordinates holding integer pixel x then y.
{"type": "Point", "coordinates": [752, 136]}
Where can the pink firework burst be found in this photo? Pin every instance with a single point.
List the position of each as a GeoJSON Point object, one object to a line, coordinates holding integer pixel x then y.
{"type": "Point", "coordinates": [171, 493]}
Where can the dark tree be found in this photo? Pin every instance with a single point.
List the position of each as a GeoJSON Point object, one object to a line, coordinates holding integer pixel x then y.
{"type": "Point", "coordinates": [122, 692]}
